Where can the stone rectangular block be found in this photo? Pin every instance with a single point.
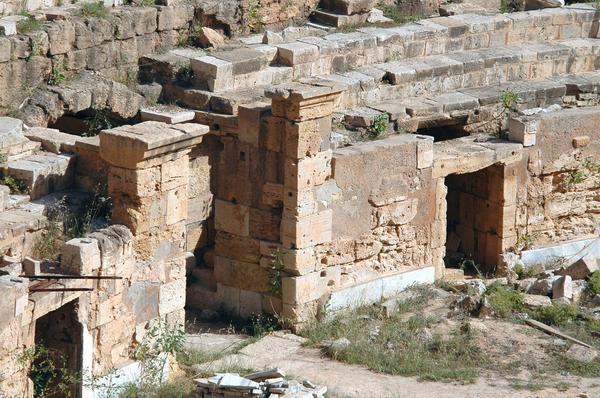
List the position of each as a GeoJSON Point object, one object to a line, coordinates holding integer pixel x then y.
{"type": "Point", "coordinates": [308, 172]}
{"type": "Point", "coordinates": [81, 256]}
{"type": "Point", "coordinates": [171, 297]}
{"type": "Point", "coordinates": [296, 53]}
{"type": "Point", "coordinates": [307, 138]}
{"type": "Point", "coordinates": [232, 218]}
{"type": "Point", "coordinates": [303, 232]}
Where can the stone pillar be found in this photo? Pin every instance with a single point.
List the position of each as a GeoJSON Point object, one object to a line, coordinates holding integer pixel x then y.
{"type": "Point", "coordinates": [304, 114]}
{"type": "Point", "coordinates": [148, 183]}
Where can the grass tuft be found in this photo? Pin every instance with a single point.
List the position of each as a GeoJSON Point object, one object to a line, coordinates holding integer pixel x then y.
{"type": "Point", "coordinates": [97, 10]}
{"type": "Point", "coordinates": [504, 300]}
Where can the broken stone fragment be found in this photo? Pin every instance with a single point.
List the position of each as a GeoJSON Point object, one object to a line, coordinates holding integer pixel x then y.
{"type": "Point", "coordinates": [563, 288]}
{"type": "Point", "coordinates": [581, 269]}
{"type": "Point", "coordinates": [208, 37]}
{"type": "Point", "coordinates": [339, 345]}
{"type": "Point", "coordinates": [581, 354]}
{"type": "Point", "coordinates": [539, 4]}
{"type": "Point", "coordinates": [534, 301]}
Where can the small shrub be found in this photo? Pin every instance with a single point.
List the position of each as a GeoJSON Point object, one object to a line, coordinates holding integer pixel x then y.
{"type": "Point", "coordinates": [48, 371]}
{"type": "Point", "coordinates": [16, 185]}
{"type": "Point", "coordinates": [591, 165]}
{"type": "Point", "coordinates": [573, 178]}
{"type": "Point", "coordinates": [594, 282]}
{"type": "Point", "coordinates": [504, 300]}
{"type": "Point", "coordinates": [99, 120]}
{"type": "Point", "coordinates": [508, 99]}
{"type": "Point", "coordinates": [378, 126]}
{"type": "Point", "coordinates": [97, 10]}
{"type": "Point", "coordinates": [3, 159]}
{"type": "Point", "coordinates": [56, 76]}
{"type": "Point", "coordinates": [185, 76]}
{"type": "Point", "coordinates": [28, 25]}
{"type": "Point", "coordinates": [558, 315]}
{"type": "Point", "coordinates": [398, 14]}
{"type": "Point", "coordinates": [275, 273]}
{"type": "Point", "coordinates": [253, 17]}
{"type": "Point", "coordinates": [49, 244]}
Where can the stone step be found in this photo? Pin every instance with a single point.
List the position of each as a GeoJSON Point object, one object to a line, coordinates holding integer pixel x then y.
{"type": "Point", "coordinates": [18, 227]}
{"type": "Point", "coordinates": [199, 298]}
{"type": "Point", "coordinates": [477, 68]}
{"type": "Point", "coordinates": [335, 20]}
{"type": "Point", "coordinates": [44, 172]}
{"type": "Point", "coordinates": [166, 114]}
{"type": "Point", "coordinates": [334, 52]}
{"type": "Point", "coordinates": [466, 104]}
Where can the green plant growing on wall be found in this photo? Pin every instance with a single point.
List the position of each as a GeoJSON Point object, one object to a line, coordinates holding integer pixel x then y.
{"type": "Point", "coordinates": [378, 126]}
{"type": "Point", "coordinates": [275, 273]}
{"type": "Point", "coordinates": [56, 76]}
{"type": "Point", "coordinates": [28, 25]}
{"type": "Point", "coordinates": [397, 13]}
{"type": "Point", "coordinates": [574, 178]}
{"type": "Point", "coordinates": [509, 99]}
{"type": "Point", "coordinates": [48, 371]}
{"type": "Point", "coordinates": [592, 166]}
{"type": "Point", "coordinates": [526, 241]}
{"type": "Point", "coordinates": [3, 160]}
{"type": "Point", "coordinates": [254, 22]}
{"type": "Point", "coordinates": [97, 10]}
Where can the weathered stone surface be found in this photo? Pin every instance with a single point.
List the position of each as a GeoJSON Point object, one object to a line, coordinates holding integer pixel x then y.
{"type": "Point", "coordinates": [582, 268]}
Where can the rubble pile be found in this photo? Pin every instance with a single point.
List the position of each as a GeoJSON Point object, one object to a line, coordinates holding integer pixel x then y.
{"type": "Point", "coordinates": [266, 384]}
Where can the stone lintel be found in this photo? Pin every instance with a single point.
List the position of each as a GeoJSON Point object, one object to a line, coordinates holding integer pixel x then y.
{"type": "Point", "coordinates": [126, 146]}
{"type": "Point", "coordinates": [307, 90]}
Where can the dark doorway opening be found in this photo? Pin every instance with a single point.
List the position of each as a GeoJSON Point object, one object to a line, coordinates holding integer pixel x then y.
{"type": "Point", "coordinates": [58, 360]}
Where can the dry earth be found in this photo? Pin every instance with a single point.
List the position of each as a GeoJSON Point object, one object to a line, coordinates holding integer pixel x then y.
{"type": "Point", "coordinates": [506, 343]}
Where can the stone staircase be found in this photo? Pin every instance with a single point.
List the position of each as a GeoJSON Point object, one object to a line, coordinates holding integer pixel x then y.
{"type": "Point", "coordinates": [433, 56]}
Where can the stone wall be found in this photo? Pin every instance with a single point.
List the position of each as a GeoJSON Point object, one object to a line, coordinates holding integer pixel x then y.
{"type": "Point", "coordinates": [559, 192]}
{"type": "Point", "coordinates": [383, 208]}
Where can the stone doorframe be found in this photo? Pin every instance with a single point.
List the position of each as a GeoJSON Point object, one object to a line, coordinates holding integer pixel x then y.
{"type": "Point", "coordinates": [494, 215]}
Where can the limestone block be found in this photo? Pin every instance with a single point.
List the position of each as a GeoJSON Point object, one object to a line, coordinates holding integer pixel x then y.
{"type": "Point", "coordinates": [5, 49]}
{"type": "Point", "coordinates": [272, 195]}
{"type": "Point", "coordinates": [250, 303]}
{"type": "Point", "coordinates": [209, 68]}
{"type": "Point", "coordinates": [307, 138]}
{"type": "Point", "coordinates": [61, 36]}
{"type": "Point", "coordinates": [310, 287]}
{"type": "Point", "coordinates": [424, 152]}
{"type": "Point", "coordinates": [81, 256]}
{"type": "Point", "coordinates": [308, 172]}
{"type": "Point", "coordinates": [301, 202]}
{"type": "Point", "coordinates": [52, 140]}
{"type": "Point", "coordinates": [582, 268]}
{"type": "Point", "coordinates": [249, 121]}
{"type": "Point", "coordinates": [296, 53]}
{"type": "Point", "coordinates": [581, 141]}
{"type": "Point", "coordinates": [398, 213]}
{"type": "Point", "coordinates": [126, 146]}
{"type": "Point", "coordinates": [304, 232]}
{"type": "Point", "coordinates": [232, 218]}
{"type": "Point", "coordinates": [176, 206]}
{"type": "Point", "coordinates": [265, 224]}
{"type": "Point", "coordinates": [174, 17]}
{"type": "Point", "coordinates": [171, 297]}
{"type": "Point", "coordinates": [11, 131]}
{"type": "Point", "coordinates": [31, 266]}
{"type": "Point", "coordinates": [243, 60]}
{"type": "Point", "coordinates": [249, 276]}
{"type": "Point", "coordinates": [348, 7]}
{"type": "Point", "coordinates": [236, 247]}
{"type": "Point", "coordinates": [563, 287]}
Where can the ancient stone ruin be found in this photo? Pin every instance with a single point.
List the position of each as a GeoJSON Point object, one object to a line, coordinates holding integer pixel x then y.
{"type": "Point", "coordinates": [157, 158]}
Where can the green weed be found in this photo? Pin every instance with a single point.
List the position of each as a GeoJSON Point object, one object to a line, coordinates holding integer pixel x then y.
{"type": "Point", "coordinates": [97, 10]}
{"type": "Point", "coordinates": [398, 14]}
{"type": "Point", "coordinates": [28, 25]}
{"type": "Point", "coordinates": [557, 315]}
{"type": "Point", "coordinates": [504, 300]}
{"type": "Point", "coordinates": [594, 282]}
{"type": "Point", "coordinates": [508, 99]}
{"type": "Point", "coordinates": [48, 245]}
{"type": "Point", "coordinates": [379, 126]}
{"type": "Point", "coordinates": [17, 186]}
{"type": "Point", "coordinates": [56, 76]}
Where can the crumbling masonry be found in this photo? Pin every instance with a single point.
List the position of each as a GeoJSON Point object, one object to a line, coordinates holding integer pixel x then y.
{"type": "Point", "coordinates": [297, 175]}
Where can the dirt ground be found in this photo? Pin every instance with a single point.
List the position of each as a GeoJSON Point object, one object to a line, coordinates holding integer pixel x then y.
{"type": "Point", "coordinates": [511, 346]}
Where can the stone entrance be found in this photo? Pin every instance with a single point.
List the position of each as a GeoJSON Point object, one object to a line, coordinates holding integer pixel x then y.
{"type": "Point", "coordinates": [58, 336]}
{"type": "Point", "coordinates": [476, 217]}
